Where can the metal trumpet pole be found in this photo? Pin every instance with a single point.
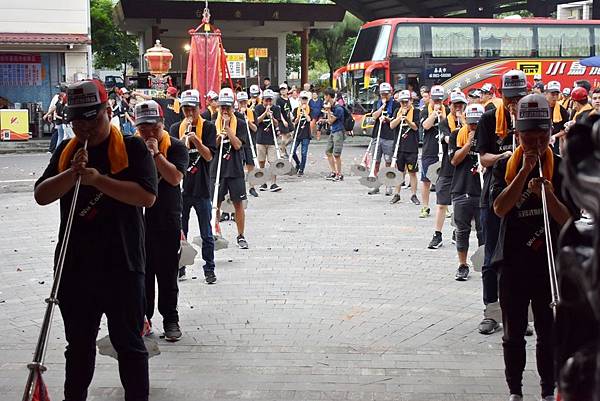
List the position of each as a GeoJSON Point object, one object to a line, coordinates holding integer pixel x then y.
{"type": "Point", "coordinates": [549, 247]}
{"type": "Point", "coordinates": [254, 157]}
{"type": "Point", "coordinates": [295, 138]}
{"type": "Point", "coordinates": [514, 136]}
{"type": "Point", "coordinates": [275, 136]}
{"type": "Point", "coordinates": [37, 365]}
{"type": "Point", "coordinates": [215, 200]}
{"type": "Point", "coordinates": [373, 161]}
{"type": "Point", "coordinates": [395, 158]}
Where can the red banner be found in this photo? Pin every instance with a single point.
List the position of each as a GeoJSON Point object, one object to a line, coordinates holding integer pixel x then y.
{"type": "Point", "coordinates": [204, 65]}
{"type": "Point", "coordinates": [17, 58]}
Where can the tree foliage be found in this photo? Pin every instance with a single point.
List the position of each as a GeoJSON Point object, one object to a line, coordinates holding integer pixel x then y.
{"type": "Point", "coordinates": [112, 47]}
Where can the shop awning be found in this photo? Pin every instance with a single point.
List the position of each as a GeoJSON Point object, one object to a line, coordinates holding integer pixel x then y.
{"type": "Point", "coordinates": [59, 39]}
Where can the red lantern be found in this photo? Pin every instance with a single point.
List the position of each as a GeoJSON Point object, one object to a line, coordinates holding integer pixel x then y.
{"type": "Point", "coordinates": [158, 59]}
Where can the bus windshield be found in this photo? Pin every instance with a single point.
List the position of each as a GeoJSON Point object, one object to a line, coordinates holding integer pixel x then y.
{"type": "Point", "coordinates": [361, 97]}
{"type": "Point", "coordinates": [371, 44]}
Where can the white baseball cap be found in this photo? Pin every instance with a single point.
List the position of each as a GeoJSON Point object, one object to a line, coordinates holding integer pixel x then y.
{"type": "Point", "coordinates": [473, 113]}
{"type": "Point", "coordinates": [514, 83]}
{"type": "Point", "coordinates": [190, 97]}
{"type": "Point", "coordinates": [241, 96]}
{"type": "Point", "coordinates": [458, 97]}
{"type": "Point", "coordinates": [404, 95]}
{"type": "Point", "coordinates": [84, 99]}
{"type": "Point", "coordinates": [566, 91]}
{"type": "Point", "coordinates": [553, 86]}
{"type": "Point", "coordinates": [268, 94]}
{"type": "Point", "coordinates": [305, 95]}
{"type": "Point", "coordinates": [148, 112]}
{"type": "Point", "coordinates": [226, 97]}
{"type": "Point", "coordinates": [212, 95]}
{"type": "Point", "coordinates": [537, 77]}
{"type": "Point", "coordinates": [254, 90]}
{"type": "Point", "coordinates": [385, 87]}
{"type": "Point", "coordinates": [533, 112]}
{"type": "Point", "coordinates": [437, 92]}
{"type": "Point", "coordinates": [487, 88]}
{"type": "Point", "coordinates": [283, 86]}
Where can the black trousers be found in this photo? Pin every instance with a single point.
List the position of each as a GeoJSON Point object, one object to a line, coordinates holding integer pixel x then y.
{"type": "Point", "coordinates": [84, 296]}
{"type": "Point", "coordinates": [519, 284]}
{"type": "Point", "coordinates": [490, 224]}
{"type": "Point", "coordinates": [466, 208]}
{"type": "Point", "coordinates": [162, 266]}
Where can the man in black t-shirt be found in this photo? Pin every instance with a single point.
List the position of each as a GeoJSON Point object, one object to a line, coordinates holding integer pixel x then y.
{"type": "Point", "coordinates": [383, 111]}
{"type": "Point", "coordinates": [103, 271]}
{"type": "Point", "coordinates": [301, 117]}
{"type": "Point", "coordinates": [431, 117]}
{"type": "Point", "coordinates": [521, 255]}
{"type": "Point", "coordinates": [466, 185]}
{"type": "Point", "coordinates": [212, 106]}
{"type": "Point", "coordinates": [559, 115]}
{"type": "Point", "coordinates": [200, 137]}
{"type": "Point", "coordinates": [443, 198]}
{"type": "Point", "coordinates": [247, 113]}
{"type": "Point", "coordinates": [495, 141]}
{"type": "Point", "coordinates": [405, 122]}
{"type": "Point", "coordinates": [232, 137]}
{"type": "Point", "coordinates": [163, 219]}
{"type": "Point", "coordinates": [268, 119]}
{"type": "Point", "coordinates": [286, 128]}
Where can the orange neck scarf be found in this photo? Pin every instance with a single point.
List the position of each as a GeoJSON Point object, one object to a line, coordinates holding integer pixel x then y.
{"type": "Point", "coordinates": [232, 123]}
{"type": "Point", "coordinates": [164, 144]}
{"type": "Point", "coordinates": [501, 126]}
{"type": "Point", "coordinates": [117, 153]}
{"type": "Point", "coordinates": [409, 113]}
{"type": "Point", "coordinates": [183, 127]}
{"type": "Point", "coordinates": [583, 110]}
{"type": "Point", "coordinates": [303, 107]}
{"type": "Point", "coordinates": [497, 102]}
{"type": "Point", "coordinates": [463, 136]}
{"type": "Point", "coordinates": [442, 109]}
{"type": "Point", "coordinates": [452, 122]}
{"type": "Point", "coordinates": [517, 158]}
{"type": "Point", "coordinates": [556, 116]}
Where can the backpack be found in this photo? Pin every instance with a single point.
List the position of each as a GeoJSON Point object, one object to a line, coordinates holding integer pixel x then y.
{"type": "Point", "coordinates": [348, 119]}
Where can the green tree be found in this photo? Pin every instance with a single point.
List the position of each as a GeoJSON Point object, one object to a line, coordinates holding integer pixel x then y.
{"type": "Point", "coordinates": [112, 47]}
{"type": "Point", "coordinates": [335, 44]}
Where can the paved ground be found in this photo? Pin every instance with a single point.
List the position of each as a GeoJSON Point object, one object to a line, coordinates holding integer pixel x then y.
{"type": "Point", "coordinates": [337, 299]}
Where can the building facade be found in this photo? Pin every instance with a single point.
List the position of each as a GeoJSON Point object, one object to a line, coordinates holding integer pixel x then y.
{"type": "Point", "coordinates": [576, 10]}
{"type": "Point", "coordinates": [42, 44]}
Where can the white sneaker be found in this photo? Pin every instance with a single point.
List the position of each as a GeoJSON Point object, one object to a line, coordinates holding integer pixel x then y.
{"type": "Point", "coordinates": [515, 397]}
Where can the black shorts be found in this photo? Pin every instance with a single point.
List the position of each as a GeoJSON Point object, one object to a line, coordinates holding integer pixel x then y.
{"type": "Point", "coordinates": [248, 160]}
{"type": "Point", "coordinates": [442, 191]}
{"type": "Point", "coordinates": [236, 187]}
{"type": "Point", "coordinates": [408, 159]}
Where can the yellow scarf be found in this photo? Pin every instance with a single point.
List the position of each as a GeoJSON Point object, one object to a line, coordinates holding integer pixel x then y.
{"type": "Point", "coordinates": [232, 123]}
{"type": "Point", "coordinates": [249, 114]}
{"type": "Point", "coordinates": [556, 116]}
{"type": "Point", "coordinates": [517, 158]}
{"type": "Point", "coordinates": [463, 136]}
{"type": "Point", "coordinates": [117, 153]}
{"type": "Point", "coordinates": [305, 108]}
{"type": "Point", "coordinates": [430, 109]}
{"type": "Point", "coordinates": [582, 110]}
{"type": "Point", "coordinates": [164, 144]}
{"type": "Point", "coordinates": [497, 102]}
{"type": "Point", "coordinates": [452, 122]}
{"type": "Point", "coordinates": [184, 126]}
{"type": "Point", "coordinates": [409, 113]}
{"type": "Point", "coordinates": [501, 128]}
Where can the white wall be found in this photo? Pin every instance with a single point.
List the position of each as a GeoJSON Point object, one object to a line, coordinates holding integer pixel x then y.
{"type": "Point", "coordinates": [44, 16]}
{"type": "Point", "coordinates": [76, 66]}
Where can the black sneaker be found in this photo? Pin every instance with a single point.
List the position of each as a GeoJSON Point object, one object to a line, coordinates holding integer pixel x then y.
{"type": "Point", "coordinates": [275, 188]}
{"type": "Point", "coordinates": [373, 191]}
{"type": "Point", "coordinates": [454, 237]}
{"type": "Point", "coordinates": [331, 177]}
{"type": "Point", "coordinates": [462, 273]}
{"type": "Point", "coordinates": [415, 200]}
{"type": "Point", "coordinates": [389, 191]}
{"type": "Point", "coordinates": [181, 275]}
{"type": "Point", "coordinates": [232, 217]}
{"type": "Point", "coordinates": [488, 326]}
{"type": "Point", "coordinates": [210, 278]}
{"type": "Point", "coordinates": [253, 192]}
{"type": "Point", "coordinates": [339, 177]}
{"type": "Point", "coordinates": [263, 187]}
{"type": "Point", "coordinates": [224, 217]}
{"type": "Point", "coordinates": [242, 243]}
{"type": "Point", "coordinates": [395, 199]}
{"type": "Point", "coordinates": [436, 241]}
{"type": "Point", "coordinates": [300, 173]}
{"type": "Point", "coordinates": [172, 331]}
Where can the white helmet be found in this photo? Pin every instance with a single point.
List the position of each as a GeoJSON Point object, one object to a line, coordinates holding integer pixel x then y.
{"type": "Point", "coordinates": [226, 97]}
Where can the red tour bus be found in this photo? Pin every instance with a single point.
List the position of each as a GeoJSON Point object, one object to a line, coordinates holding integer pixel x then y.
{"type": "Point", "coordinates": [464, 53]}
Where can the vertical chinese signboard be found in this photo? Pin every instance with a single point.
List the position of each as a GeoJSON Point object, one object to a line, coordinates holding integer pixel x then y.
{"type": "Point", "coordinates": [237, 65]}
{"type": "Point", "coordinates": [20, 69]}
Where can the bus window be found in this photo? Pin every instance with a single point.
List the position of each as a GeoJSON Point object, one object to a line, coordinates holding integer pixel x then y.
{"type": "Point", "coordinates": [364, 49]}
{"type": "Point", "coordinates": [505, 42]}
{"type": "Point", "coordinates": [564, 41]}
{"type": "Point", "coordinates": [452, 41]}
{"type": "Point", "coordinates": [407, 41]}
{"type": "Point", "coordinates": [597, 40]}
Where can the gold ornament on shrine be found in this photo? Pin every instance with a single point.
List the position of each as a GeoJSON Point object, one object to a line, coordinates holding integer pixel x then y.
{"type": "Point", "coordinates": [158, 59]}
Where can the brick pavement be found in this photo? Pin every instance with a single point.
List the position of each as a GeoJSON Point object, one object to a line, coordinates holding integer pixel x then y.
{"type": "Point", "coordinates": [336, 299]}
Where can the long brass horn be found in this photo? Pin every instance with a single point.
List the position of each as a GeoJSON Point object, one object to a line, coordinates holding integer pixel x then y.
{"type": "Point", "coordinates": [391, 176]}
{"type": "Point", "coordinates": [258, 175]}
{"type": "Point", "coordinates": [371, 180]}
{"type": "Point", "coordinates": [281, 166]}
{"type": "Point", "coordinates": [362, 169]}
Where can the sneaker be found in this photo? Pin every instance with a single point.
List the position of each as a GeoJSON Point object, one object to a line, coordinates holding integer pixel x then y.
{"type": "Point", "coordinates": [224, 217]}
{"type": "Point", "coordinates": [263, 187]}
{"type": "Point", "coordinates": [275, 188]}
{"type": "Point", "coordinates": [373, 191]}
{"type": "Point", "coordinates": [232, 217]}
{"type": "Point", "coordinates": [339, 177]}
{"type": "Point", "coordinates": [529, 331]}
{"type": "Point", "coordinates": [210, 278]}
{"type": "Point", "coordinates": [147, 331]}
{"type": "Point", "coordinates": [253, 192]}
{"type": "Point", "coordinates": [181, 275]}
{"type": "Point", "coordinates": [454, 237]}
{"type": "Point", "coordinates": [448, 214]}
{"type": "Point", "coordinates": [488, 326]}
{"type": "Point", "coordinates": [405, 186]}
{"type": "Point", "coordinates": [300, 173]}
{"type": "Point", "coordinates": [395, 199]}
{"type": "Point", "coordinates": [436, 241]}
{"type": "Point", "coordinates": [172, 331]}
{"type": "Point", "coordinates": [242, 243]}
{"type": "Point", "coordinates": [425, 211]}
{"type": "Point", "coordinates": [415, 200]}
{"type": "Point", "coordinates": [549, 398]}
{"type": "Point", "coordinates": [515, 397]}
{"type": "Point", "coordinates": [462, 273]}
{"type": "Point", "coordinates": [388, 191]}
{"type": "Point", "coordinates": [331, 177]}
